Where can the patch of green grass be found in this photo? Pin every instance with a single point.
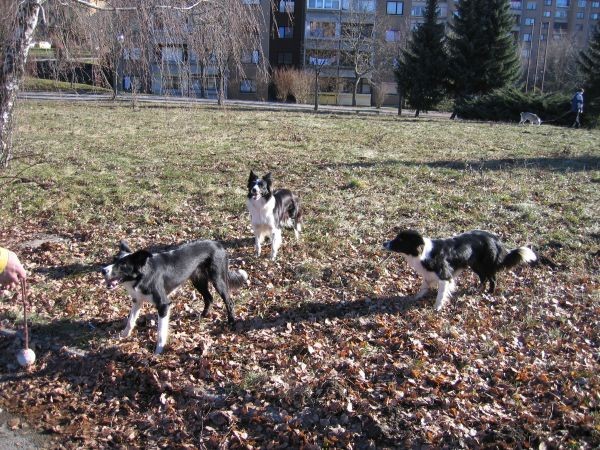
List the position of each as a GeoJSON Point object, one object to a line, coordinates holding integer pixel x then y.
{"type": "Point", "coordinates": [40, 84]}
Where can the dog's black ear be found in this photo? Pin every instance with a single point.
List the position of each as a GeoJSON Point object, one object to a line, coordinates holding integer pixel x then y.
{"type": "Point", "coordinates": [124, 247]}
{"type": "Point", "coordinates": [252, 176]}
{"type": "Point", "coordinates": [267, 179]}
{"type": "Point", "coordinates": [140, 257]}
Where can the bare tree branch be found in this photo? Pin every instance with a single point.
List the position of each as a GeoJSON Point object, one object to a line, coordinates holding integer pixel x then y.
{"type": "Point", "coordinates": [135, 8]}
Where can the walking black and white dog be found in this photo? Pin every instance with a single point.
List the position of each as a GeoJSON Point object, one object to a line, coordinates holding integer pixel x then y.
{"type": "Point", "coordinates": [271, 211]}
{"type": "Point", "coordinates": [439, 261]}
{"type": "Point", "coordinates": [152, 276]}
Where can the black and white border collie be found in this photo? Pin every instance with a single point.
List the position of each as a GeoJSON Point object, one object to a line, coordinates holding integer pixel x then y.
{"type": "Point", "coordinates": [271, 211]}
{"type": "Point", "coordinates": [152, 276]}
{"type": "Point", "coordinates": [439, 261]}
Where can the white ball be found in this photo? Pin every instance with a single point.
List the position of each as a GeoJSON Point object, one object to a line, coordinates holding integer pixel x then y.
{"type": "Point", "coordinates": [26, 357]}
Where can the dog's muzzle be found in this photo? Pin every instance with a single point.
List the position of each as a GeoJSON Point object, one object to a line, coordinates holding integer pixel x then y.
{"type": "Point", "coordinates": [255, 192]}
{"type": "Point", "coordinates": [386, 245]}
{"type": "Point", "coordinates": [111, 283]}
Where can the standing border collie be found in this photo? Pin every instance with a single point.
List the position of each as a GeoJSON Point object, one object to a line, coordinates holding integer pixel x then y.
{"type": "Point", "coordinates": [271, 211]}
{"type": "Point", "coordinates": [152, 276]}
{"type": "Point", "coordinates": [439, 261]}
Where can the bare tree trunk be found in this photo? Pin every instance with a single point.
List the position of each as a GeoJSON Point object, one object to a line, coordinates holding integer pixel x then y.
{"type": "Point", "coordinates": [316, 90]}
{"type": "Point", "coordinates": [221, 90]}
{"type": "Point", "coordinates": [13, 70]}
{"type": "Point", "coordinates": [400, 100]}
{"type": "Point", "coordinates": [356, 81]}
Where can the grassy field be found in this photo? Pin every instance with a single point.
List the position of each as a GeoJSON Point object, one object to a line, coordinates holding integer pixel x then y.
{"type": "Point", "coordinates": [40, 84]}
{"type": "Point", "coordinates": [329, 350]}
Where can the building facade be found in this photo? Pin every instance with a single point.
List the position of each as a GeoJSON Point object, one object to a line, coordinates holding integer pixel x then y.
{"type": "Point", "coordinates": [316, 35]}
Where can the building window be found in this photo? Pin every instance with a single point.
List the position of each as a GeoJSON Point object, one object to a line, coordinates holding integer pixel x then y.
{"type": "Point", "coordinates": [581, 3]}
{"type": "Point", "coordinates": [324, 4]}
{"type": "Point", "coordinates": [516, 5]}
{"type": "Point", "coordinates": [287, 6]}
{"type": "Point", "coordinates": [354, 30]}
{"type": "Point", "coordinates": [594, 16]}
{"type": "Point", "coordinates": [285, 59]}
{"type": "Point", "coordinates": [579, 15]}
{"type": "Point", "coordinates": [252, 57]}
{"type": "Point", "coordinates": [359, 5]}
{"type": "Point", "coordinates": [322, 58]}
{"type": "Point", "coordinates": [529, 21]}
{"type": "Point", "coordinates": [547, 13]}
{"type": "Point", "coordinates": [321, 29]}
{"type": "Point", "coordinates": [172, 54]}
{"type": "Point", "coordinates": [252, 2]}
{"type": "Point", "coordinates": [392, 36]}
{"type": "Point", "coordinates": [247, 86]}
{"type": "Point", "coordinates": [526, 37]}
{"type": "Point", "coordinates": [562, 3]}
{"type": "Point", "coordinates": [132, 53]}
{"type": "Point", "coordinates": [560, 14]}
{"type": "Point", "coordinates": [548, 2]}
{"type": "Point", "coordinates": [417, 11]}
{"type": "Point", "coordinates": [414, 25]}
{"type": "Point", "coordinates": [595, 4]}
{"type": "Point", "coordinates": [395, 8]}
{"type": "Point", "coordinates": [285, 32]}
{"type": "Point", "coordinates": [525, 53]}
{"type": "Point", "coordinates": [531, 5]}
{"type": "Point", "coordinates": [170, 83]}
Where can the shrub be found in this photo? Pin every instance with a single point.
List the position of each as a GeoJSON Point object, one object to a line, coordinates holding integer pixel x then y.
{"type": "Point", "coordinates": [506, 104]}
{"type": "Point", "coordinates": [282, 78]}
{"type": "Point", "coordinates": [302, 85]}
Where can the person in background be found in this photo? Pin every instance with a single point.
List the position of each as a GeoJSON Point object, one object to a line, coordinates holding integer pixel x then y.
{"type": "Point", "coordinates": [577, 107]}
{"type": "Point", "coordinates": [11, 269]}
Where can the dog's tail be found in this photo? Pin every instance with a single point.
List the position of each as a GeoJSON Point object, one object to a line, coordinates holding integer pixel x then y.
{"type": "Point", "coordinates": [518, 256]}
{"type": "Point", "coordinates": [237, 278]}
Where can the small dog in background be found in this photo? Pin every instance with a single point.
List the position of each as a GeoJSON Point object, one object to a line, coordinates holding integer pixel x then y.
{"type": "Point", "coordinates": [530, 117]}
{"type": "Point", "coordinates": [270, 212]}
{"type": "Point", "coordinates": [152, 276]}
{"type": "Point", "coordinates": [440, 261]}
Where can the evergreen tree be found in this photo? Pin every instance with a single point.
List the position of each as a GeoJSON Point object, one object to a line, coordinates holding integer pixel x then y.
{"type": "Point", "coordinates": [482, 50]}
{"type": "Point", "coordinates": [589, 63]}
{"type": "Point", "coordinates": [422, 66]}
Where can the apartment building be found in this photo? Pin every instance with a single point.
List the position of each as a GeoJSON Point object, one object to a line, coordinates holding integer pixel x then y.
{"type": "Point", "coordinates": [313, 34]}
{"type": "Point", "coordinates": [539, 22]}
{"type": "Point", "coordinates": [173, 63]}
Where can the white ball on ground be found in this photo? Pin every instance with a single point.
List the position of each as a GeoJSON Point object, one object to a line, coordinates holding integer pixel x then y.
{"type": "Point", "coordinates": [26, 357]}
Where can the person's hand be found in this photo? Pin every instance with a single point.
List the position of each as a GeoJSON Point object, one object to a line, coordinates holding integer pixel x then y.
{"type": "Point", "coordinates": [13, 272]}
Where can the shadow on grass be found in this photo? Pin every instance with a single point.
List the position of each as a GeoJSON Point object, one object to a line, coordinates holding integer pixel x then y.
{"type": "Point", "coordinates": [69, 270]}
{"type": "Point", "coordinates": [319, 311]}
{"type": "Point", "coordinates": [71, 333]}
{"type": "Point", "coordinates": [238, 243]}
{"type": "Point", "coordinates": [553, 164]}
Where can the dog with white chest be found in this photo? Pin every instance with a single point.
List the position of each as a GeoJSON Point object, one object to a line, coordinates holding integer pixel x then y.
{"type": "Point", "coordinates": [440, 261]}
{"type": "Point", "coordinates": [151, 276]}
{"type": "Point", "coordinates": [271, 211]}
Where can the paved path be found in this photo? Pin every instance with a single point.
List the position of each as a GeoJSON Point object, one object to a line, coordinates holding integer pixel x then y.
{"type": "Point", "coordinates": [186, 101]}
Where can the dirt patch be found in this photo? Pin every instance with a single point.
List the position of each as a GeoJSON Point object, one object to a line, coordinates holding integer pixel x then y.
{"type": "Point", "coordinates": [17, 434]}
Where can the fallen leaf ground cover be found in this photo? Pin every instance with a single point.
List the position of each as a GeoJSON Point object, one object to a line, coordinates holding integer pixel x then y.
{"type": "Point", "coordinates": [329, 351]}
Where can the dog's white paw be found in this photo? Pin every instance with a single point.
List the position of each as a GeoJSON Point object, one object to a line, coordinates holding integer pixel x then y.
{"type": "Point", "coordinates": [125, 333]}
{"type": "Point", "coordinates": [159, 349]}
